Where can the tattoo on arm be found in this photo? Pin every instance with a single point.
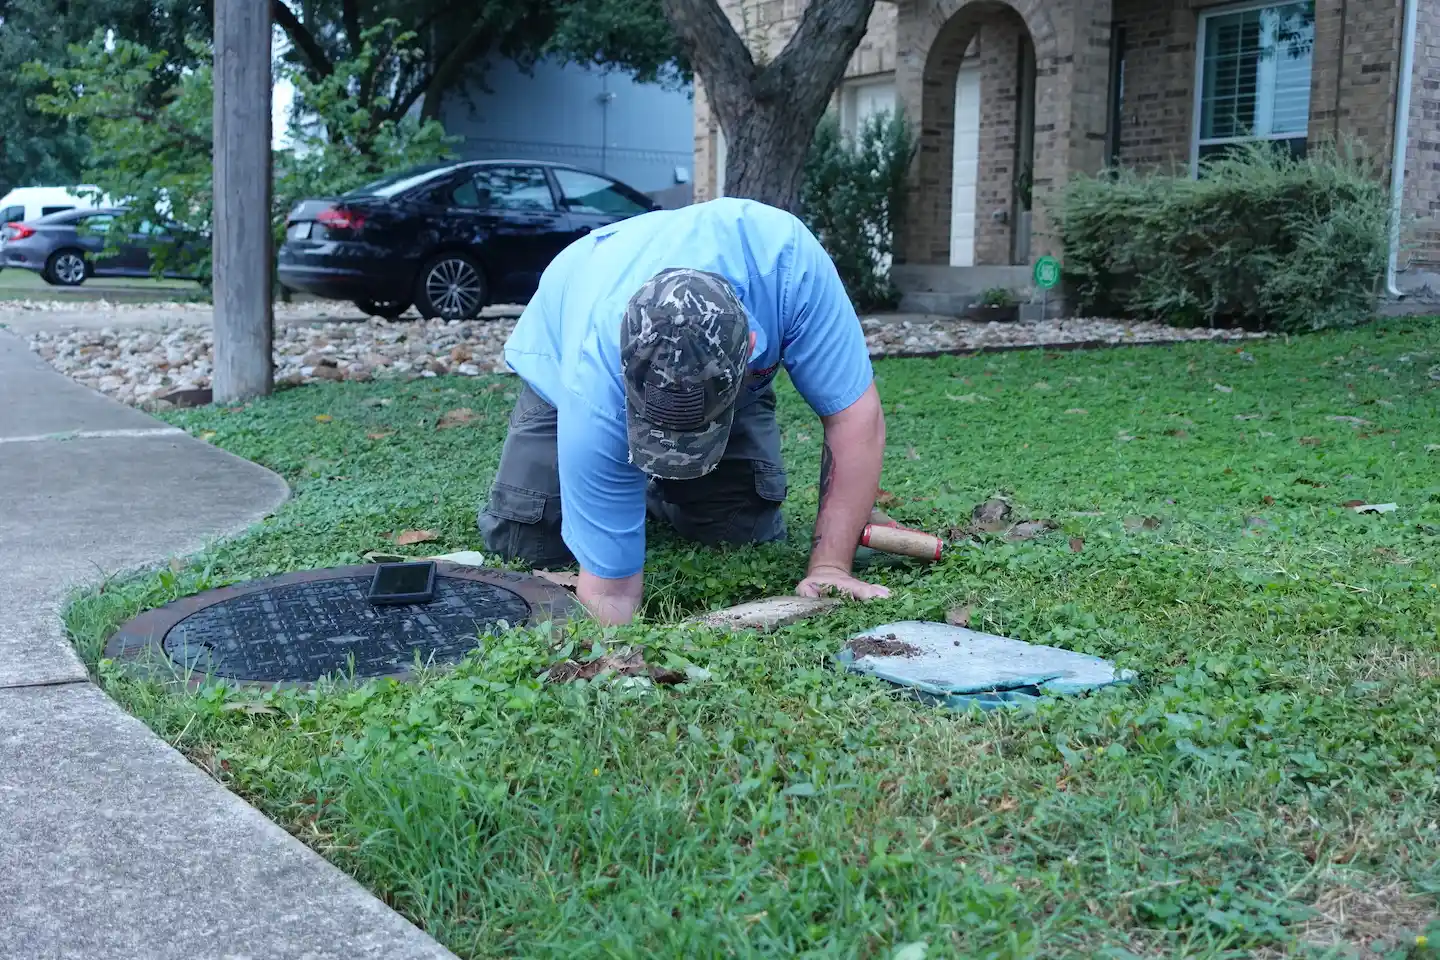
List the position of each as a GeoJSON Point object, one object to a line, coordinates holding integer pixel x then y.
{"type": "Point", "coordinates": [827, 473]}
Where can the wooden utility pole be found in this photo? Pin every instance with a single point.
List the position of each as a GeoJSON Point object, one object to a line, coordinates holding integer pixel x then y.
{"type": "Point", "coordinates": [242, 242]}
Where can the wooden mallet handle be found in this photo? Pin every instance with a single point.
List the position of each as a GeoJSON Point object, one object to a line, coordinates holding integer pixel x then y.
{"type": "Point", "coordinates": [902, 541]}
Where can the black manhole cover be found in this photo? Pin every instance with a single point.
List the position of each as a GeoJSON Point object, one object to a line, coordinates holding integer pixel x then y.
{"type": "Point", "coordinates": [300, 627]}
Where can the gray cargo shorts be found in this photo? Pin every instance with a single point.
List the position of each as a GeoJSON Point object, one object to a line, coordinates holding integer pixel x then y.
{"type": "Point", "coordinates": [738, 502]}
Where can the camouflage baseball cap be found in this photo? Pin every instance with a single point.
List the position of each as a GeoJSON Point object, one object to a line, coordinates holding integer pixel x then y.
{"type": "Point", "coordinates": [683, 350]}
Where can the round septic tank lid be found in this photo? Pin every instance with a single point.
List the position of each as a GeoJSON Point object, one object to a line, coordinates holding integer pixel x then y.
{"type": "Point", "coordinates": [298, 627]}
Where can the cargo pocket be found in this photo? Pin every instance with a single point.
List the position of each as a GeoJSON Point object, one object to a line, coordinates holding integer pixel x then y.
{"type": "Point", "coordinates": [519, 524]}
{"type": "Point", "coordinates": [771, 484]}
{"type": "Point", "coordinates": [516, 503]}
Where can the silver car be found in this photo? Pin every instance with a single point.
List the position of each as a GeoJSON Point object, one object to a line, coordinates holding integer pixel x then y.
{"type": "Point", "coordinates": [67, 248]}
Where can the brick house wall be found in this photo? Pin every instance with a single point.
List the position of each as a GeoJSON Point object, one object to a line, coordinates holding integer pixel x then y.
{"type": "Point", "coordinates": [1353, 89]}
{"type": "Point", "coordinates": [1155, 123]}
{"type": "Point", "coordinates": [1354, 83]}
{"type": "Point", "coordinates": [1422, 159]}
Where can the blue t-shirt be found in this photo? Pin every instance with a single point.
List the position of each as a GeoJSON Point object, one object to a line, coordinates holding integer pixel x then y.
{"type": "Point", "coordinates": [566, 346]}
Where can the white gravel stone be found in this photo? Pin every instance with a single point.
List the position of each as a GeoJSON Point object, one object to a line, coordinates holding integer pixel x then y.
{"type": "Point", "coordinates": [140, 352]}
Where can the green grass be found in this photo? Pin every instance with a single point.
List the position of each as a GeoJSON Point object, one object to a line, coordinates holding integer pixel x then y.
{"type": "Point", "coordinates": [17, 284]}
{"type": "Point", "coordinates": [1269, 783]}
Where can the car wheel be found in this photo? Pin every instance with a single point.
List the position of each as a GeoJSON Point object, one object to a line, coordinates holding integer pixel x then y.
{"type": "Point", "coordinates": [384, 309]}
{"type": "Point", "coordinates": [451, 286]}
{"type": "Point", "coordinates": [66, 268]}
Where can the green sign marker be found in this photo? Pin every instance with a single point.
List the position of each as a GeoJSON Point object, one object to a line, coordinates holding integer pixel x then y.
{"type": "Point", "coordinates": [1047, 273]}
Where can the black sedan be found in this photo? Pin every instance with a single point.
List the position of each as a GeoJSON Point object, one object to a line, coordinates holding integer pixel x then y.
{"type": "Point", "coordinates": [448, 239]}
{"type": "Point", "coordinates": [69, 247]}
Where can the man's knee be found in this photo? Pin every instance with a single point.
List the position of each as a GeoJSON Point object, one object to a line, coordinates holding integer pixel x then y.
{"type": "Point", "coordinates": [521, 519]}
{"type": "Point", "coordinates": [738, 502]}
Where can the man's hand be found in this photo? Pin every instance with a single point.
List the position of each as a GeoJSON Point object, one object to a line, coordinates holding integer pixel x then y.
{"type": "Point", "coordinates": [825, 581]}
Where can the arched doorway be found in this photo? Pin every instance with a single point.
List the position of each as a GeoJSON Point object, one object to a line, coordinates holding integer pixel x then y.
{"type": "Point", "coordinates": [968, 75]}
{"type": "Point", "coordinates": [977, 139]}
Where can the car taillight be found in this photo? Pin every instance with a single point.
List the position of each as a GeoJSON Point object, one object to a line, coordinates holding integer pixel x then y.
{"type": "Point", "coordinates": [18, 231]}
{"type": "Point", "coordinates": [338, 218]}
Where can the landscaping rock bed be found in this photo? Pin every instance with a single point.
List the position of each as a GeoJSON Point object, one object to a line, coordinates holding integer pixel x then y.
{"type": "Point", "coordinates": [151, 350]}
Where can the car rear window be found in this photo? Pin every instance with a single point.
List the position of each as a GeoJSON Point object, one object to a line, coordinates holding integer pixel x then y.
{"type": "Point", "coordinates": [62, 216]}
{"type": "Point", "coordinates": [396, 183]}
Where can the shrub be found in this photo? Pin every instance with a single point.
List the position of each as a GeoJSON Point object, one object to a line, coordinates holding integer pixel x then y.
{"type": "Point", "coordinates": [853, 200]}
{"type": "Point", "coordinates": [998, 297]}
{"type": "Point", "coordinates": [1261, 240]}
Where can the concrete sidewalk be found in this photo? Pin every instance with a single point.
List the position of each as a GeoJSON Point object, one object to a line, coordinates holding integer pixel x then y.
{"type": "Point", "coordinates": [112, 845]}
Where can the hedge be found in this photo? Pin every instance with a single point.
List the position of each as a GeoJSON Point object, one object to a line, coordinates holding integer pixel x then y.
{"type": "Point", "coordinates": [1259, 240]}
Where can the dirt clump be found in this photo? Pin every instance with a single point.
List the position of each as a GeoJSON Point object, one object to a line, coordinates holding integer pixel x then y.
{"type": "Point", "coordinates": [886, 646]}
{"type": "Point", "coordinates": [624, 664]}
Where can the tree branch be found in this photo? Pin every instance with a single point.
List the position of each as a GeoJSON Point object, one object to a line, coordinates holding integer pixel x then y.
{"type": "Point", "coordinates": [717, 53]}
{"type": "Point", "coordinates": [424, 25]}
{"type": "Point", "coordinates": [448, 71]}
{"type": "Point", "coordinates": [303, 39]}
{"type": "Point", "coordinates": [350, 14]}
{"type": "Point", "coordinates": [808, 62]}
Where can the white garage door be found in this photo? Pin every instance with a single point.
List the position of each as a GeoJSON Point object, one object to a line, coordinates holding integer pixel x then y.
{"type": "Point", "coordinates": [965, 179]}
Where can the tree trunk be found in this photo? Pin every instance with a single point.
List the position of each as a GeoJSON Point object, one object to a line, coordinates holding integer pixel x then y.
{"type": "Point", "coordinates": [242, 241]}
{"type": "Point", "coordinates": [765, 154]}
{"type": "Point", "coordinates": [769, 113]}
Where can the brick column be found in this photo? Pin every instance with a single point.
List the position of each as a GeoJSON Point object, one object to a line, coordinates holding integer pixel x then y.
{"type": "Point", "coordinates": [999, 62]}
{"type": "Point", "coordinates": [1071, 99]}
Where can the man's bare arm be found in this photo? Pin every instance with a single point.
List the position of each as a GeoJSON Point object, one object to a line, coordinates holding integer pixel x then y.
{"type": "Point", "coordinates": [612, 602]}
{"type": "Point", "coordinates": [850, 462]}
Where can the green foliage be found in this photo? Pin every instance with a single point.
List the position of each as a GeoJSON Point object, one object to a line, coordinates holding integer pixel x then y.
{"type": "Point", "coordinates": [155, 153]}
{"type": "Point", "coordinates": [1278, 750]}
{"type": "Point", "coordinates": [1261, 239]}
{"type": "Point", "coordinates": [38, 148]}
{"type": "Point", "coordinates": [853, 199]}
{"type": "Point", "coordinates": [629, 35]}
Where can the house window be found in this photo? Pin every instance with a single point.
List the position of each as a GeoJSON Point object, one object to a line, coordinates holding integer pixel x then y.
{"type": "Point", "coordinates": [862, 100]}
{"type": "Point", "coordinates": [1253, 77]}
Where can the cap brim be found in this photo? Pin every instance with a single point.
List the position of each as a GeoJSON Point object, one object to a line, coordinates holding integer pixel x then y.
{"type": "Point", "coordinates": [675, 455]}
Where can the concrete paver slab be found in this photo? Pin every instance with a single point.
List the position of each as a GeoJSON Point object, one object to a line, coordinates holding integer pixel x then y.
{"type": "Point", "coordinates": [114, 845]}
{"type": "Point", "coordinates": [79, 510]}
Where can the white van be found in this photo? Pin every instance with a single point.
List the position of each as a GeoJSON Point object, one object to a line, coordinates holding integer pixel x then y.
{"type": "Point", "coordinates": [31, 203]}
